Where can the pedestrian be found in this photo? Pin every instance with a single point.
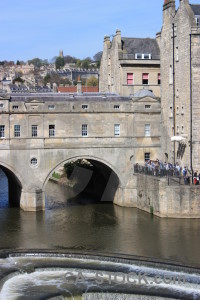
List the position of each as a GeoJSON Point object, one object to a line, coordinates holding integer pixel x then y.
{"type": "Point", "coordinates": [185, 175]}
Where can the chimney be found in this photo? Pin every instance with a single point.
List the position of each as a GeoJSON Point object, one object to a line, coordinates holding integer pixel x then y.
{"type": "Point", "coordinates": [158, 37]}
{"type": "Point", "coordinates": [169, 4]}
{"type": "Point", "coordinates": [79, 86]}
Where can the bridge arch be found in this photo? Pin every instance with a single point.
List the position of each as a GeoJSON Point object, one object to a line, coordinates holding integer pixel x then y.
{"type": "Point", "coordinates": [15, 184]}
{"type": "Point", "coordinates": [114, 178]}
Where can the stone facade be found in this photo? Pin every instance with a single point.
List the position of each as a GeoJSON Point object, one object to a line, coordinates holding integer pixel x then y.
{"type": "Point", "coordinates": [125, 60]}
{"type": "Point", "coordinates": [180, 87]}
{"type": "Point", "coordinates": [155, 196]}
{"type": "Point", "coordinates": [115, 137]}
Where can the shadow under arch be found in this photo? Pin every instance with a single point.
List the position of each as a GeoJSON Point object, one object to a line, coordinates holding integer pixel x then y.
{"type": "Point", "coordinates": [14, 185]}
{"type": "Point", "coordinates": [104, 180]}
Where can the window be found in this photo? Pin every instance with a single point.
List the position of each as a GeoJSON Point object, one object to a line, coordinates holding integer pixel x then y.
{"type": "Point", "coordinates": [145, 78]}
{"type": "Point", "coordinates": [197, 21]}
{"type": "Point", "coordinates": [171, 112]}
{"type": "Point", "coordinates": [51, 107]}
{"type": "Point", "coordinates": [116, 106]}
{"type": "Point", "coordinates": [177, 110]}
{"type": "Point", "coordinates": [84, 130]}
{"type": "Point", "coordinates": [51, 130]}
{"type": "Point", "coordinates": [147, 130]}
{"type": "Point", "coordinates": [182, 110]}
{"type": "Point", "coordinates": [15, 107]}
{"type": "Point", "coordinates": [1, 105]}
{"type": "Point", "coordinates": [147, 56]}
{"type": "Point", "coordinates": [147, 156]}
{"type": "Point", "coordinates": [138, 56]}
{"type": "Point", "coordinates": [158, 78]}
{"type": "Point", "coordinates": [84, 106]}
{"type": "Point", "coordinates": [16, 130]}
{"type": "Point", "coordinates": [147, 106]}
{"type": "Point", "coordinates": [34, 161]}
{"type": "Point", "coordinates": [2, 131]}
{"type": "Point", "coordinates": [117, 129]}
{"type": "Point", "coordinates": [34, 130]}
{"type": "Point", "coordinates": [129, 78]}
{"type": "Point", "coordinates": [182, 129]}
{"type": "Point", "coordinates": [142, 56]}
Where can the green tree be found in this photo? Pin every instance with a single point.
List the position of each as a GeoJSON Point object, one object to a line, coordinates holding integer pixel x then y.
{"type": "Point", "coordinates": [37, 62]}
{"type": "Point", "coordinates": [65, 81]}
{"type": "Point", "coordinates": [69, 59]}
{"type": "Point", "coordinates": [92, 81]}
{"type": "Point", "coordinates": [47, 79]}
{"type": "Point", "coordinates": [85, 64]}
{"type": "Point", "coordinates": [18, 79]}
{"type": "Point", "coordinates": [98, 56]}
{"type": "Point", "coordinates": [18, 63]}
{"type": "Point", "coordinates": [59, 62]}
{"type": "Point", "coordinates": [78, 63]}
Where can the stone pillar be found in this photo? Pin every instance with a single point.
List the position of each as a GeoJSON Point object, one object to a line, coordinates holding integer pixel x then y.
{"type": "Point", "coordinates": [126, 197]}
{"type": "Point", "coordinates": [33, 201]}
{"type": "Point", "coordinates": [79, 87]}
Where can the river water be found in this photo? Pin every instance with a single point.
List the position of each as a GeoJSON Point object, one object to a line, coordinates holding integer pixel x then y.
{"type": "Point", "coordinates": [102, 227]}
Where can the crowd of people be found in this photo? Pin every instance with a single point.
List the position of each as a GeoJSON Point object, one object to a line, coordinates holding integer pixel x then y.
{"type": "Point", "coordinates": [164, 169]}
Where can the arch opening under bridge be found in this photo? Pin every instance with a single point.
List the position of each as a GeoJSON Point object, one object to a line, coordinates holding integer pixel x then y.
{"type": "Point", "coordinates": [11, 186]}
{"type": "Point", "coordinates": [90, 179]}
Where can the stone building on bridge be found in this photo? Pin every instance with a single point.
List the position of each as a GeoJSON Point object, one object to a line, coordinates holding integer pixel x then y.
{"type": "Point", "coordinates": [40, 132]}
{"type": "Point", "coordinates": [129, 65]}
{"type": "Point", "coordinates": [180, 88]}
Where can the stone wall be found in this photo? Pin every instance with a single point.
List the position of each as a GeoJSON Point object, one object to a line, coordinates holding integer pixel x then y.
{"type": "Point", "coordinates": [195, 41]}
{"type": "Point", "coordinates": [154, 195]}
{"type": "Point", "coordinates": [184, 21]}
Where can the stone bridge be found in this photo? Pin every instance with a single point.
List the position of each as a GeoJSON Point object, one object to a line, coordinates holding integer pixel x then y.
{"type": "Point", "coordinates": [39, 133]}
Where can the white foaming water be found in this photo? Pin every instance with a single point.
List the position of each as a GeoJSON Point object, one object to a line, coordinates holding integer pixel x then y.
{"type": "Point", "coordinates": [18, 285]}
{"type": "Point", "coordinates": [44, 279]}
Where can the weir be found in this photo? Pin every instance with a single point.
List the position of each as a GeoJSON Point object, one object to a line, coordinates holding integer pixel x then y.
{"type": "Point", "coordinates": [85, 276]}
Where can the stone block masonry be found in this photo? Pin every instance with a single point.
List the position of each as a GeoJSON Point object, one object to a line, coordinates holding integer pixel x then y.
{"type": "Point", "coordinates": [155, 196]}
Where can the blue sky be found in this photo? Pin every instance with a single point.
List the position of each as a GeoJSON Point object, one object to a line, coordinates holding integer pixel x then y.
{"type": "Point", "coordinates": [30, 29]}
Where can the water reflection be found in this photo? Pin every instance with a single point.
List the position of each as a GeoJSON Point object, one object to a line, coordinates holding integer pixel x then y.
{"type": "Point", "coordinates": [3, 190]}
{"type": "Point", "coordinates": [99, 226]}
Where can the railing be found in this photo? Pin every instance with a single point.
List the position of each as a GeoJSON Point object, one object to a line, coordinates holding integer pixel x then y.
{"type": "Point", "coordinates": [173, 175]}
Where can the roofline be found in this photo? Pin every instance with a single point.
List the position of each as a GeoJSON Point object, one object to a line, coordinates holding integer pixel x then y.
{"type": "Point", "coordinates": [137, 38]}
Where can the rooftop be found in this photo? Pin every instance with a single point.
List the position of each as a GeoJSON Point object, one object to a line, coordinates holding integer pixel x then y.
{"type": "Point", "coordinates": [141, 45]}
{"type": "Point", "coordinates": [144, 93]}
{"type": "Point", "coordinates": [46, 97]}
{"type": "Point", "coordinates": [196, 9]}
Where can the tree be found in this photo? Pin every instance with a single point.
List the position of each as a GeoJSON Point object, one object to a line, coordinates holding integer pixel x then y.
{"type": "Point", "coordinates": [97, 57]}
{"type": "Point", "coordinates": [47, 79]}
{"type": "Point", "coordinates": [18, 79]}
{"type": "Point", "coordinates": [69, 59]}
{"type": "Point", "coordinates": [85, 64]}
{"type": "Point", "coordinates": [55, 78]}
{"type": "Point", "coordinates": [17, 63]}
{"type": "Point", "coordinates": [59, 62]}
{"type": "Point", "coordinates": [78, 63]}
{"type": "Point", "coordinates": [37, 62]}
{"type": "Point", "coordinates": [92, 81]}
{"type": "Point", "coordinates": [65, 81]}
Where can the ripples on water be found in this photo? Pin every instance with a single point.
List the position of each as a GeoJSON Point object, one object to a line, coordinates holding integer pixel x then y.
{"type": "Point", "coordinates": [100, 226]}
